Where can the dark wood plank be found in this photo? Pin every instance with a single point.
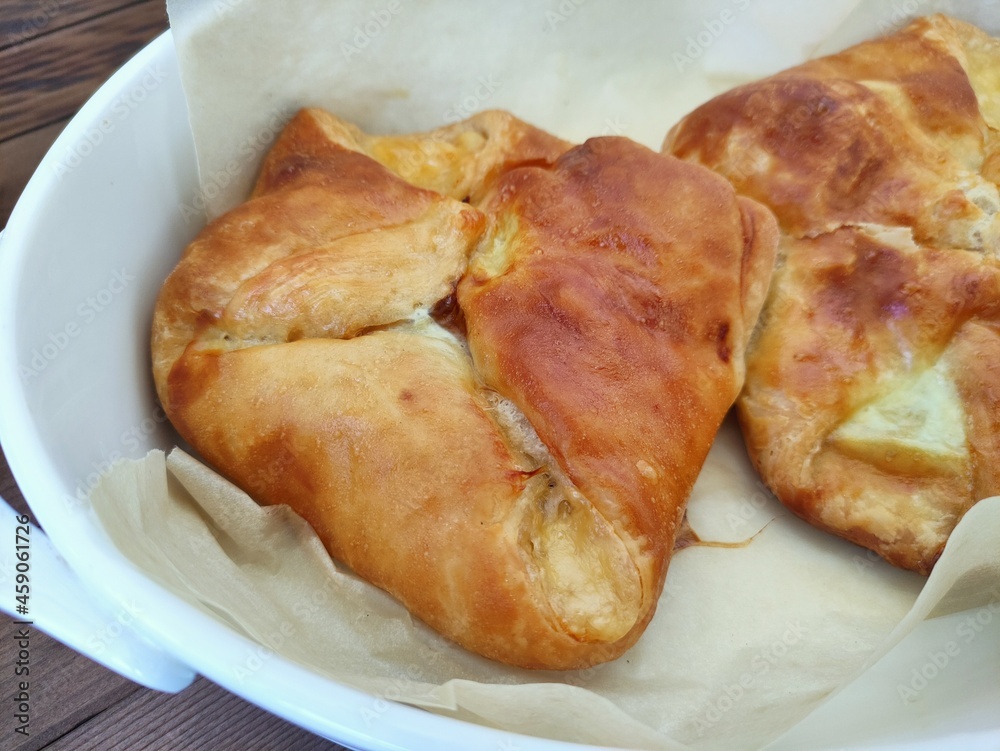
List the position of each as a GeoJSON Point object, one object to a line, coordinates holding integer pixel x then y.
{"type": "Point", "coordinates": [65, 690]}
{"type": "Point", "coordinates": [48, 78]}
{"type": "Point", "coordinates": [9, 490]}
{"type": "Point", "coordinates": [18, 159]}
{"type": "Point", "coordinates": [202, 716]}
{"type": "Point", "coordinates": [21, 20]}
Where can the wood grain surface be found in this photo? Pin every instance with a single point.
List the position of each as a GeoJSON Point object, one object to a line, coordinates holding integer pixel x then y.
{"type": "Point", "coordinates": [53, 55]}
{"type": "Point", "coordinates": [21, 20]}
{"type": "Point", "coordinates": [43, 83]}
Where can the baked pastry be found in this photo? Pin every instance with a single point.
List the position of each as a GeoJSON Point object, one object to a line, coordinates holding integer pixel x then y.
{"type": "Point", "coordinates": [872, 401]}
{"type": "Point", "coordinates": [522, 499]}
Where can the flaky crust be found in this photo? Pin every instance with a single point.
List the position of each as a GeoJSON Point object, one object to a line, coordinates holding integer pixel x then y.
{"type": "Point", "coordinates": [522, 499]}
{"type": "Point", "coordinates": [872, 401]}
{"type": "Point", "coordinates": [611, 299]}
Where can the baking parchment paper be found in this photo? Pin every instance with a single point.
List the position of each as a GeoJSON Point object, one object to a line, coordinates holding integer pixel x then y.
{"type": "Point", "coordinates": [747, 640]}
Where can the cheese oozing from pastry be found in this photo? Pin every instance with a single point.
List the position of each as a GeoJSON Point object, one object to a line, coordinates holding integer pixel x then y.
{"type": "Point", "coordinates": [917, 426]}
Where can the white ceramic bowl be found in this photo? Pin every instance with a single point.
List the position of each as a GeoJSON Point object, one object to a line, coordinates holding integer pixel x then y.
{"type": "Point", "coordinates": [86, 249]}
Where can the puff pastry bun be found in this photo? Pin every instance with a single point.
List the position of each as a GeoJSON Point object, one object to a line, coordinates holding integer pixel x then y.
{"type": "Point", "coordinates": [496, 414]}
{"type": "Point", "coordinates": [872, 401]}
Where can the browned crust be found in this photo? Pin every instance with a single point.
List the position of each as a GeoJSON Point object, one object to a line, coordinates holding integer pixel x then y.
{"type": "Point", "coordinates": [619, 325]}
{"type": "Point", "coordinates": [380, 430]}
{"type": "Point", "coordinates": [886, 134]}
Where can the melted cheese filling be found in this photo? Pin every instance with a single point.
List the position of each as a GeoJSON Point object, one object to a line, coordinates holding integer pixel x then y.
{"type": "Point", "coordinates": [494, 255]}
{"type": "Point", "coordinates": [585, 569]}
{"type": "Point", "coordinates": [917, 428]}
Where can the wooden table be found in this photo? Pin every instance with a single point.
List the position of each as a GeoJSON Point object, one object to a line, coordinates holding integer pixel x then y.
{"type": "Point", "coordinates": [53, 55]}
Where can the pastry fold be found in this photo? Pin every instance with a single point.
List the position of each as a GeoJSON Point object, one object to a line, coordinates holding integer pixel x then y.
{"type": "Point", "coordinates": [872, 401]}
{"type": "Point", "coordinates": [486, 367]}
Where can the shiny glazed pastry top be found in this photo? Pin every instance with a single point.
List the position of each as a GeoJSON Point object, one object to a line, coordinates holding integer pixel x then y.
{"type": "Point", "coordinates": [872, 402]}
{"type": "Point", "coordinates": [493, 409]}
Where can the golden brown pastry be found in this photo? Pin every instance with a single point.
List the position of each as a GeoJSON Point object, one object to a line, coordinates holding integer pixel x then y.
{"type": "Point", "coordinates": [522, 500]}
{"type": "Point", "coordinates": [872, 401]}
